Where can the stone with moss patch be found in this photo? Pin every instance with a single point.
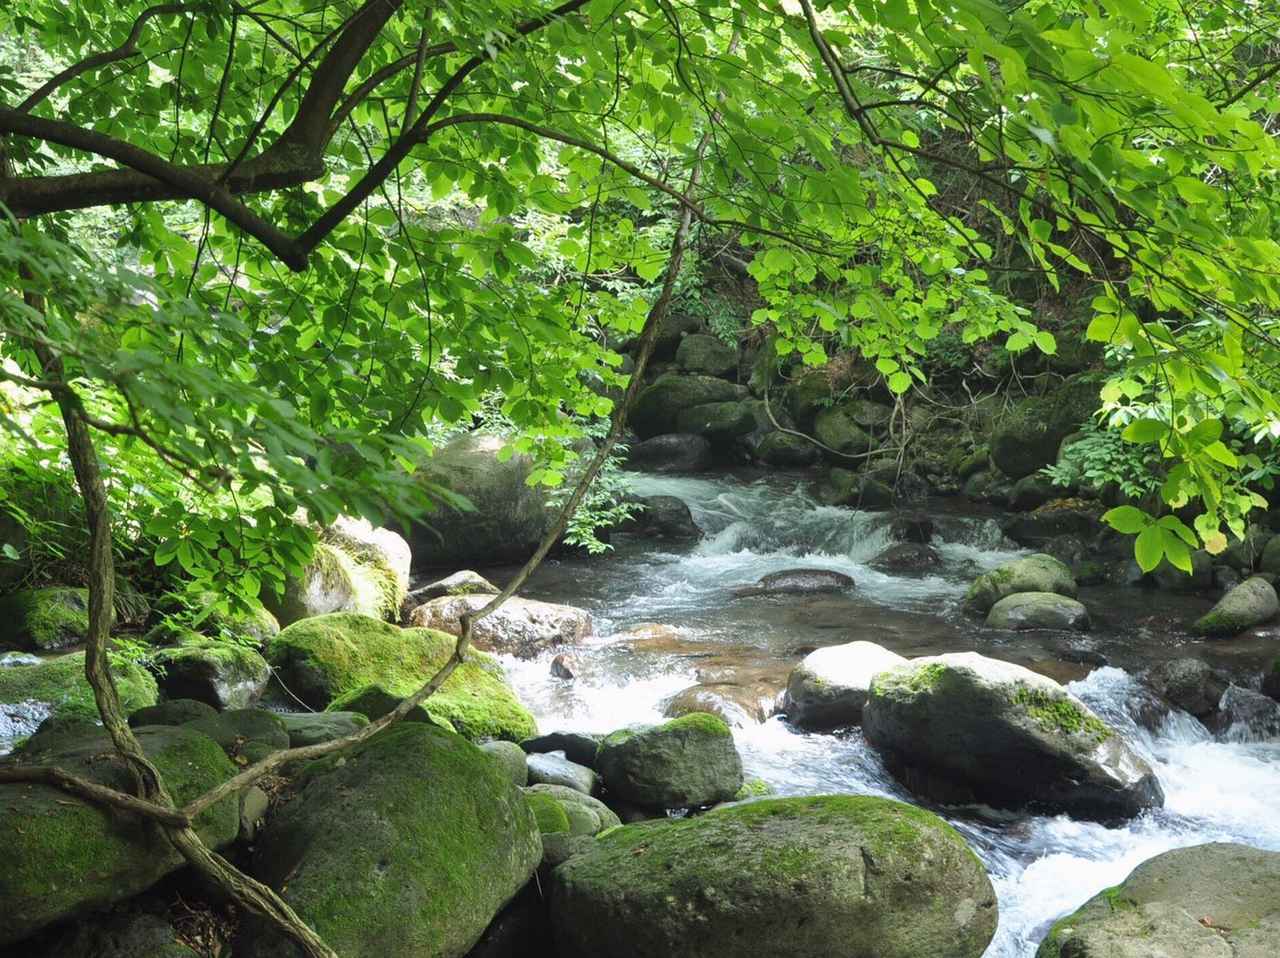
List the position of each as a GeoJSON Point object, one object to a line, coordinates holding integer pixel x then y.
{"type": "Point", "coordinates": [44, 620]}
{"type": "Point", "coordinates": [327, 660]}
{"type": "Point", "coordinates": [174, 712]}
{"type": "Point", "coordinates": [335, 580]}
{"type": "Point", "coordinates": [64, 856]}
{"type": "Point", "coordinates": [60, 683]}
{"type": "Point", "coordinates": [548, 813]}
{"type": "Point", "coordinates": [753, 788]}
{"type": "Point", "coordinates": [964, 728]}
{"type": "Point", "coordinates": [523, 627]}
{"type": "Point", "coordinates": [1199, 902]}
{"type": "Point", "coordinates": [1251, 603]}
{"type": "Point", "coordinates": [252, 733]}
{"type": "Point", "coordinates": [818, 877]}
{"type": "Point", "coordinates": [1033, 573]}
{"type": "Point", "coordinates": [1026, 611]}
{"type": "Point", "coordinates": [686, 762]}
{"type": "Point", "coordinates": [225, 674]}
{"type": "Point", "coordinates": [406, 849]}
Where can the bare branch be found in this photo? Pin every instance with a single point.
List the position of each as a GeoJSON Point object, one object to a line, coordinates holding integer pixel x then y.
{"type": "Point", "coordinates": [94, 792]}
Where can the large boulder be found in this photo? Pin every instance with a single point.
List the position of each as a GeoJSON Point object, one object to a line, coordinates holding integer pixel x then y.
{"type": "Point", "coordinates": [1033, 573]}
{"type": "Point", "coordinates": [1250, 603]}
{"type": "Point", "coordinates": [1205, 901]}
{"type": "Point", "coordinates": [1029, 436]}
{"type": "Point", "coordinates": [44, 620]}
{"type": "Point", "coordinates": [817, 877]}
{"type": "Point", "coordinates": [838, 430]}
{"type": "Point", "coordinates": [707, 355]}
{"type": "Point", "coordinates": [324, 659]}
{"type": "Point", "coordinates": [683, 763]}
{"type": "Point", "coordinates": [59, 687]}
{"type": "Point", "coordinates": [64, 856]}
{"type": "Point", "coordinates": [523, 627]}
{"type": "Point", "coordinates": [226, 675]}
{"type": "Point", "coordinates": [963, 727]}
{"type": "Point", "coordinates": [797, 582]}
{"type": "Point", "coordinates": [671, 452]}
{"type": "Point", "coordinates": [507, 517]}
{"type": "Point", "coordinates": [336, 580]}
{"type": "Point", "coordinates": [829, 688]}
{"type": "Point", "coordinates": [719, 422]}
{"type": "Point", "coordinates": [1023, 611]}
{"type": "Point", "coordinates": [406, 847]}
{"type": "Point", "coordinates": [658, 407]}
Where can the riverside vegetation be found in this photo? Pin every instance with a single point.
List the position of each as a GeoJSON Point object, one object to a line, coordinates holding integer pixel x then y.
{"type": "Point", "coordinates": [864, 370]}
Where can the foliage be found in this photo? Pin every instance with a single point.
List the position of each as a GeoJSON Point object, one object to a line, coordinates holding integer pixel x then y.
{"type": "Point", "coordinates": [1100, 459]}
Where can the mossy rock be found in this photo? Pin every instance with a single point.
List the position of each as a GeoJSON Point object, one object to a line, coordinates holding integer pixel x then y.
{"type": "Point", "coordinates": [173, 712]}
{"type": "Point", "coordinates": [225, 674]}
{"type": "Point", "coordinates": [44, 620]}
{"type": "Point", "coordinates": [1205, 900]}
{"type": "Point", "coordinates": [964, 728]}
{"type": "Point", "coordinates": [128, 934]}
{"type": "Point", "coordinates": [1028, 437]}
{"type": "Point", "coordinates": [753, 788]}
{"type": "Point", "coordinates": [313, 728]}
{"type": "Point", "coordinates": [64, 856]}
{"type": "Point", "coordinates": [253, 733]}
{"type": "Point", "coordinates": [60, 683]}
{"type": "Point", "coordinates": [548, 813]}
{"type": "Point", "coordinates": [659, 405]}
{"type": "Point", "coordinates": [257, 624]}
{"type": "Point", "coordinates": [1251, 603]}
{"type": "Point", "coordinates": [686, 762]}
{"type": "Point", "coordinates": [406, 849]}
{"type": "Point", "coordinates": [1025, 611]}
{"type": "Point", "coordinates": [786, 450]}
{"type": "Point", "coordinates": [816, 877]}
{"type": "Point", "coordinates": [335, 580]}
{"type": "Point", "coordinates": [707, 355]}
{"type": "Point", "coordinates": [586, 815]}
{"type": "Point", "coordinates": [326, 659]}
{"type": "Point", "coordinates": [837, 428]}
{"type": "Point", "coordinates": [374, 701]}
{"type": "Point", "coordinates": [1033, 573]}
{"type": "Point", "coordinates": [719, 422]}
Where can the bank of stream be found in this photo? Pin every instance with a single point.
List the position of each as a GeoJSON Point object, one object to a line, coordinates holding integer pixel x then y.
{"type": "Point", "coordinates": [1042, 867]}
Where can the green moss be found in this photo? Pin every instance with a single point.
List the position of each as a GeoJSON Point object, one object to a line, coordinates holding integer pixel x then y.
{"type": "Point", "coordinates": [699, 721]}
{"type": "Point", "coordinates": [327, 658]}
{"type": "Point", "coordinates": [1057, 713]}
{"type": "Point", "coordinates": [45, 619]}
{"type": "Point", "coordinates": [910, 679]}
{"type": "Point", "coordinates": [549, 814]}
{"type": "Point", "coordinates": [60, 681]}
{"type": "Point", "coordinates": [753, 788]}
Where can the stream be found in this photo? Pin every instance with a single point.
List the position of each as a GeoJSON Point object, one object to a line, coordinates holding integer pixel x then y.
{"type": "Point", "coordinates": [1042, 867]}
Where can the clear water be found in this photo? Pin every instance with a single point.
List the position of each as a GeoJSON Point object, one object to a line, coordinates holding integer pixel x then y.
{"type": "Point", "coordinates": [1042, 867]}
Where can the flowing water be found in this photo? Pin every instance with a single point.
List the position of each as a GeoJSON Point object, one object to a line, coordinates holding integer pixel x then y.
{"type": "Point", "coordinates": [1042, 866]}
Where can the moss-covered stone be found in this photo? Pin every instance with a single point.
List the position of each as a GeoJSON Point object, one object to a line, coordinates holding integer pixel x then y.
{"type": "Point", "coordinates": [174, 712]}
{"type": "Point", "coordinates": [1026, 611]}
{"type": "Point", "coordinates": [1250, 603]}
{"type": "Point", "coordinates": [225, 674]}
{"type": "Point", "coordinates": [44, 620]}
{"type": "Point", "coordinates": [337, 581]}
{"type": "Point", "coordinates": [548, 813]}
{"type": "Point", "coordinates": [660, 404]}
{"type": "Point", "coordinates": [64, 856]}
{"type": "Point", "coordinates": [838, 430]}
{"type": "Point", "coordinates": [753, 788]}
{"type": "Point", "coordinates": [1033, 573]}
{"type": "Point", "coordinates": [61, 683]}
{"type": "Point", "coordinates": [252, 733]}
{"type": "Point", "coordinates": [326, 660]}
{"type": "Point", "coordinates": [406, 849]}
{"type": "Point", "coordinates": [312, 728]}
{"type": "Point", "coordinates": [819, 877]}
{"type": "Point", "coordinates": [686, 762]}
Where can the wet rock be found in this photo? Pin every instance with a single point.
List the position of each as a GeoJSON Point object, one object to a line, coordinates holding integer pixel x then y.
{"type": "Point", "coordinates": [64, 856]}
{"type": "Point", "coordinates": [511, 759]}
{"type": "Point", "coordinates": [658, 407]}
{"type": "Point", "coordinates": [1189, 684]}
{"type": "Point", "coordinates": [1206, 901]}
{"type": "Point", "coordinates": [577, 746]}
{"type": "Point", "coordinates": [739, 705]}
{"type": "Point", "coordinates": [707, 356]}
{"type": "Point", "coordinates": [786, 450]}
{"type": "Point", "coordinates": [1031, 492]}
{"type": "Point", "coordinates": [829, 688]}
{"type": "Point", "coordinates": [1033, 573]}
{"type": "Point", "coordinates": [465, 582]}
{"type": "Point", "coordinates": [406, 847]}
{"type": "Point", "coordinates": [911, 527]}
{"type": "Point", "coordinates": [797, 582]}
{"type": "Point", "coordinates": [312, 728]}
{"type": "Point", "coordinates": [1035, 529]}
{"type": "Point", "coordinates": [1250, 603]}
{"type": "Point", "coordinates": [963, 727]}
{"type": "Point", "coordinates": [671, 452]}
{"type": "Point", "coordinates": [907, 557]}
{"type": "Point", "coordinates": [661, 517]}
{"type": "Point", "coordinates": [226, 675]}
{"type": "Point", "coordinates": [564, 666]}
{"type": "Point", "coordinates": [1246, 716]}
{"type": "Point", "coordinates": [716, 886]}
{"type": "Point", "coordinates": [1271, 680]}
{"type": "Point", "coordinates": [682, 763]}
{"type": "Point", "coordinates": [552, 768]}
{"type": "Point", "coordinates": [838, 430]}
{"type": "Point", "coordinates": [44, 620]}
{"type": "Point", "coordinates": [1024, 611]}
{"type": "Point", "coordinates": [521, 627]}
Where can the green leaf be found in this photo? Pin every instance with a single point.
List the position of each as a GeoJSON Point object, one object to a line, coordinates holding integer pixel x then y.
{"type": "Point", "coordinates": [1145, 430]}
{"type": "Point", "coordinates": [1126, 519]}
{"type": "Point", "coordinates": [1148, 548]}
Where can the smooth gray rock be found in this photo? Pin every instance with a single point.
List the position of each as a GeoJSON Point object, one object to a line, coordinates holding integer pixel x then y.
{"type": "Point", "coordinates": [829, 688]}
{"type": "Point", "coordinates": [1033, 573]}
{"type": "Point", "coordinates": [312, 728]}
{"type": "Point", "coordinates": [797, 582]}
{"type": "Point", "coordinates": [1024, 611]}
{"type": "Point", "coordinates": [552, 768]}
{"type": "Point", "coordinates": [1251, 603]}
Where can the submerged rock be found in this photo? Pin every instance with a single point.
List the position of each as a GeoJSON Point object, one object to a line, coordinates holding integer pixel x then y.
{"type": "Point", "coordinates": [44, 620]}
{"type": "Point", "coordinates": [1024, 611]}
{"type": "Point", "coordinates": [818, 877]}
{"type": "Point", "coordinates": [1033, 573]}
{"type": "Point", "coordinates": [963, 727]}
{"type": "Point", "coordinates": [64, 856]}
{"type": "Point", "coordinates": [523, 627]}
{"type": "Point", "coordinates": [1250, 603]}
{"type": "Point", "coordinates": [829, 688]}
{"type": "Point", "coordinates": [330, 659]}
{"type": "Point", "coordinates": [671, 452]}
{"type": "Point", "coordinates": [406, 848]}
{"type": "Point", "coordinates": [686, 762]}
{"type": "Point", "coordinates": [797, 582]}
{"type": "Point", "coordinates": [907, 557]}
{"type": "Point", "coordinates": [1207, 901]}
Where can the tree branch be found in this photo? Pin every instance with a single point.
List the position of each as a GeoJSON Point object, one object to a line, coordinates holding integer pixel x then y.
{"type": "Point", "coordinates": [93, 792]}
